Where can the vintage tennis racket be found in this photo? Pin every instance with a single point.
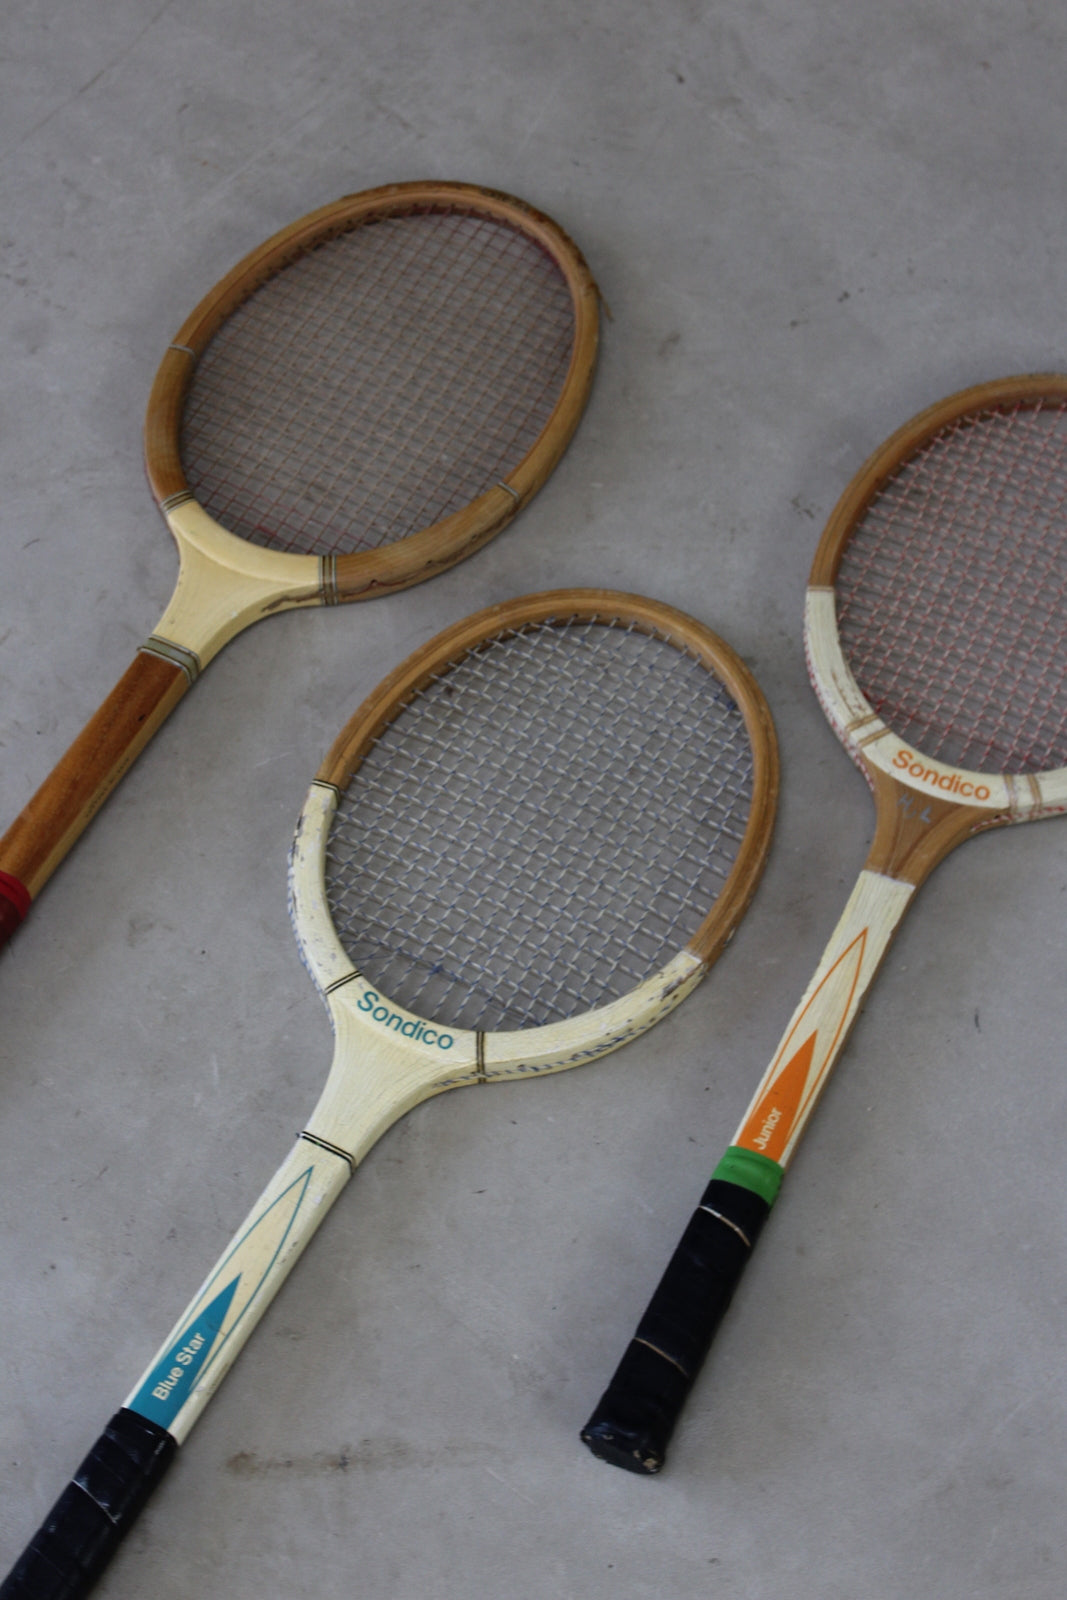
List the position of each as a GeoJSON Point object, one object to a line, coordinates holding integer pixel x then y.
{"type": "Point", "coordinates": [525, 848]}
{"type": "Point", "coordinates": [363, 401]}
{"type": "Point", "coordinates": [936, 630]}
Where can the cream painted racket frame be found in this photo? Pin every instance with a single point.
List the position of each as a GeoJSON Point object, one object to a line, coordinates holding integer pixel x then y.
{"type": "Point", "coordinates": [386, 1061]}
{"type": "Point", "coordinates": [385, 1065]}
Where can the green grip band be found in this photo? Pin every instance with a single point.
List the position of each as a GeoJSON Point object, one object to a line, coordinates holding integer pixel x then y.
{"type": "Point", "coordinates": [752, 1171]}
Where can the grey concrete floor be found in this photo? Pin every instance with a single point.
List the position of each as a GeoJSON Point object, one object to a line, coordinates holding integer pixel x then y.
{"type": "Point", "coordinates": [809, 219]}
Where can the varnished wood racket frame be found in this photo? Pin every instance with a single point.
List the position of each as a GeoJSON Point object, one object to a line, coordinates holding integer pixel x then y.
{"type": "Point", "coordinates": [429, 550]}
{"type": "Point", "coordinates": [226, 583]}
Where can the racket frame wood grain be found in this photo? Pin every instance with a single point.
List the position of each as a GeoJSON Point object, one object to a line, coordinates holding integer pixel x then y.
{"type": "Point", "coordinates": [924, 808]}
{"type": "Point", "coordinates": [225, 583]}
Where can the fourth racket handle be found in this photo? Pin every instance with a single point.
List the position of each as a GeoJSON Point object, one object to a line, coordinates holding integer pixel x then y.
{"type": "Point", "coordinates": [634, 1420]}
{"type": "Point", "coordinates": [84, 1528]}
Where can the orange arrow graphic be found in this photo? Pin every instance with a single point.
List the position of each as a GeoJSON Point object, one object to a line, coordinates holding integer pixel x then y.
{"type": "Point", "coordinates": [767, 1129]}
{"type": "Point", "coordinates": [770, 1124]}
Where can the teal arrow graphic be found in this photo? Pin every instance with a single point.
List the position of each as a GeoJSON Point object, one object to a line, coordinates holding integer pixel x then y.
{"type": "Point", "coordinates": [170, 1382]}
{"type": "Point", "coordinates": [168, 1385]}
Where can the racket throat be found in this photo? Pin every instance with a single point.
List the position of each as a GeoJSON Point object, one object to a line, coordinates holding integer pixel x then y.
{"type": "Point", "coordinates": [915, 831]}
{"type": "Point", "coordinates": [224, 585]}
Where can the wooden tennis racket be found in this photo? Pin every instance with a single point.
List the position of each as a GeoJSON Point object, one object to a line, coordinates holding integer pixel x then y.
{"type": "Point", "coordinates": [525, 848]}
{"type": "Point", "coordinates": [360, 403]}
{"type": "Point", "coordinates": [936, 630]}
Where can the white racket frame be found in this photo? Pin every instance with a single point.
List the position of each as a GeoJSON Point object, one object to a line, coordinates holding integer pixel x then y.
{"type": "Point", "coordinates": [385, 1061]}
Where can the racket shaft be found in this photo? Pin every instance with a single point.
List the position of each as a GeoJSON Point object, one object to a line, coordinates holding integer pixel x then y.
{"type": "Point", "coordinates": [636, 1415]}
{"type": "Point", "coordinates": [89, 1520]}
{"type": "Point", "coordinates": [68, 799]}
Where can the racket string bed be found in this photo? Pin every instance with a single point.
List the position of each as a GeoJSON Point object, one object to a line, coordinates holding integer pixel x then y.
{"type": "Point", "coordinates": [459, 330]}
{"type": "Point", "coordinates": [618, 790]}
{"type": "Point", "coordinates": [951, 594]}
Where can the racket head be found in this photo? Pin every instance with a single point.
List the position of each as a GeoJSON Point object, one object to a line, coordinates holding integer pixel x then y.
{"type": "Point", "coordinates": [375, 391]}
{"type": "Point", "coordinates": [936, 615]}
{"type": "Point", "coordinates": [482, 864]}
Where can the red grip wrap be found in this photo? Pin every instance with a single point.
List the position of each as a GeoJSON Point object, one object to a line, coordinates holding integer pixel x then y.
{"type": "Point", "coordinates": [15, 901]}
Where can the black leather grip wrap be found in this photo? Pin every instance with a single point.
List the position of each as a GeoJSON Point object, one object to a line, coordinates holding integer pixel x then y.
{"type": "Point", "coordinates": [634, 1421]}
{"type": "Point", "coordinates": [87, 1523]}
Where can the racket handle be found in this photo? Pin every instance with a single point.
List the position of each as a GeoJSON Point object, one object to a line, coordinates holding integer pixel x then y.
{"type": "Point", "coordinates": [94, 1513]}
{"type": "Point", "coordinates": [70, 796]}
{"type": "Point", "coordinates": [635, 1418]}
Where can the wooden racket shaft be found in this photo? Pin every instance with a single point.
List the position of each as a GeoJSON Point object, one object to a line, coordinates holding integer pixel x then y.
{"type": "Point", "coordinates": [955, 709]}
{"type": "Point", "coordinates": [523, 850]}
{"type": "Point", "coordinates": [312, 437]}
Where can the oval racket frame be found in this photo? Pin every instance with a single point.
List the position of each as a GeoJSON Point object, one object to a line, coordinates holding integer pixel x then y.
{"type": "Point", "coordinates": [992, 799]}
{"type": "Point", "coordinates": [276, 579]}
{"type": "Point", "coordinates": [553, 1046]}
